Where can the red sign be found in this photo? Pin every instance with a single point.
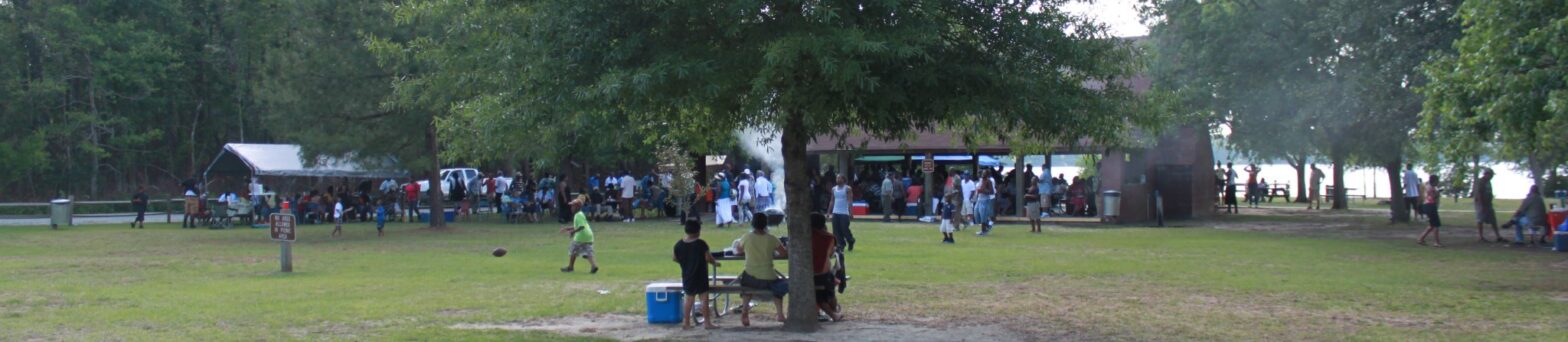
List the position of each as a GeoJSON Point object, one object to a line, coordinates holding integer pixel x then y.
{"type": "Point", "coordinates": [282, 227]}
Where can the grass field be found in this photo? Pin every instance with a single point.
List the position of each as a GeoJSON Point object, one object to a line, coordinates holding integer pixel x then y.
{"type": "Point", "coordinates": [163, 283]}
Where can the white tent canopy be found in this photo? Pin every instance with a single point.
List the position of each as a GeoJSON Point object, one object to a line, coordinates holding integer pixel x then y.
{"type": "Point", "coordinates": [285, 160]}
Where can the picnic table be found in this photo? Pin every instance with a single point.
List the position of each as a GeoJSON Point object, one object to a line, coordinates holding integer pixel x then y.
{"type": "Point", "coordinates": [728, 286]}
{"type": "Point", "coordinates": [1328, 193]}
{"type": "Point", "coordinates": [1279, 190]}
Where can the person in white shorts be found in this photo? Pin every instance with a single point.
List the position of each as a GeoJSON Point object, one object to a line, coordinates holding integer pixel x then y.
{"type": "Point", "coordinates": [947, 216]}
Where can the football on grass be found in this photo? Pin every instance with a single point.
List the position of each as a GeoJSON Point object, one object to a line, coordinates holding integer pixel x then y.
{"type": "Point", "coordinates": [498, 252]}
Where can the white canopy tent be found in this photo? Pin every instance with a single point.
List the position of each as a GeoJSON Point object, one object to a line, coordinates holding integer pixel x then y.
{"type": "Point", "coordinates": [285, 160]}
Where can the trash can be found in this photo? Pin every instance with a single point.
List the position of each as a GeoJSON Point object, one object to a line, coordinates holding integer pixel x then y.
{"type": "Point", "coordinates": [59, 213]}
{"type": "Point", "coordinates": [1112, 203]}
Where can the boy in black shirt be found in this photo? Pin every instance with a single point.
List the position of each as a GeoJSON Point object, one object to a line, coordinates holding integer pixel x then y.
{"type": "Point", "coordinates": [139, 202]}
{"type": "Point", "coordinates": [693, 256]}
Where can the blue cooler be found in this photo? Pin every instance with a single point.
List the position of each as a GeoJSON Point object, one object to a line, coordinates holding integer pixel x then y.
{"type": "Point", "coordinates": [664, 303]}
{"type": "Point", "coordinates": [451, 215]}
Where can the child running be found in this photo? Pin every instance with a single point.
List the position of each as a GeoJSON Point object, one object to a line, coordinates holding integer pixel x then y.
{"type": "Point", "coordinates": [693, 255]}
{"type": "Point", "coordinates": [582, 237]}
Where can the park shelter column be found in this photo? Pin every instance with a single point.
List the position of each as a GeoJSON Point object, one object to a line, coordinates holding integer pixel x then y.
{"type": "Point", "coordinates": [925, 203]}
{"type": "Point", "coordinates": [1018, 185]}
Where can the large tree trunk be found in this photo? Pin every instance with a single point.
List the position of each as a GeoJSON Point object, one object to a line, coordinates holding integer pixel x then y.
{"type": "Point", "coordinates": [433, 175]}
{"type": "Point", "coordinates": [802, 313]}
{"type": "Point", "coordinates": [1399, 211]}
{"type": "Point", "coordinates": [1339, 181]}
{"type": "Point", "coordinates": [1537, 172]}
{"type": "Point", "coordinates": [1300, 164]}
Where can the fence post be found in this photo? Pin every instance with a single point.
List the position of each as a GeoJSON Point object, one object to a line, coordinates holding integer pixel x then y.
{"type": "Point", "coordinates": [168, 211]}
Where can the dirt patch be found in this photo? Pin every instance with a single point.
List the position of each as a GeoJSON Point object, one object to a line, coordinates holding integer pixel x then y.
{"type": "Point", "coordinates": [444, 230]}
{"type": "Point", "coordinates": [636, 328]}
{"type": "Point", "coordinates": [1352, 224]}
{"type": "Point", "coordinates": [1561, 298]}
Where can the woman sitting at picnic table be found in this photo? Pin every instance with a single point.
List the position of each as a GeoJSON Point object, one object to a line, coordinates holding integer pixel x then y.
{"type": "Point", "coordinates": [822, 246]}
{"type": "Point", "coordinates": [759, 248]}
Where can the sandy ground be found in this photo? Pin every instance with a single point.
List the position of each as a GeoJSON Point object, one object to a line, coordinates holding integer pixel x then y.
{"type": "Point", "coordinates": [636, 328]}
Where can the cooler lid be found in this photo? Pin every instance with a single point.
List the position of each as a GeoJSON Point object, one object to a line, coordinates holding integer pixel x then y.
{"type": "Point", "coordinates": [663, 287]}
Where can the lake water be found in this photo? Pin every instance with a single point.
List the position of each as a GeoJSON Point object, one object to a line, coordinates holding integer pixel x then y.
{"type": "Point", "coordinates": [1508, 183]}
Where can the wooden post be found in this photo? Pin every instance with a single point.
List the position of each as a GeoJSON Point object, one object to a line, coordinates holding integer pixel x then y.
{"type": "Point", "coordinates": [287, 258]}
{"type": "Point", "coordinates": [168, 211]}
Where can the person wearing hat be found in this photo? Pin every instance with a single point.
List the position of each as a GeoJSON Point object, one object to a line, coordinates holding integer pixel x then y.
{"type": "Point", "coordinates": [582, 238]}
{"type": "Point", "coordinates": [1485, 213]}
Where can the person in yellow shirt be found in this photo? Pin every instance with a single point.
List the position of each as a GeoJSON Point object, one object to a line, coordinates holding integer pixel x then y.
{"type": "Point", "coordinates": [759, 249]}
{"type": "Point", "coordinates": [582, 238]}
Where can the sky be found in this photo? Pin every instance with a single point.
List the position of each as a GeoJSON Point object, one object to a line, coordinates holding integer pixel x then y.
{"type": "Point", "coordinates": [1120, 15]}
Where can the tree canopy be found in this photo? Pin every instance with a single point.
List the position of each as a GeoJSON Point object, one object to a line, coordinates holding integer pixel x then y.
{"type": "Point", "coordinates": [1292, 79]}
{"type": "Point", "coordinates": [1021, 70]}
{"type": "Point", "coordinates": [1505, 89]}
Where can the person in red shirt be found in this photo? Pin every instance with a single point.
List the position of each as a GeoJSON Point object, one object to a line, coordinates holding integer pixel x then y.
{"type": "Point", "coordinates": [495, 197]}
{"type": "Point", "coordinates": [822, 246]}
{"type": "Point", "coordinates": [411, 195]}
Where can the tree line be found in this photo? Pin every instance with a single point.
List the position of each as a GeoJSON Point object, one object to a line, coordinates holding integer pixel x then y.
{"type": "Point", "coordinates": [1442, 83]}
{"type": "Point", "coordinates": [119, 92]}
{"type": "Point", "coordinates": [100, 96]}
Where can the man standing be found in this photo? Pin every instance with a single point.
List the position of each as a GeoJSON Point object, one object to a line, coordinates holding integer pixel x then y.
{"type": "Point", "coordinates": [1043, 187]}
{"type": "Point", "coordinates": [1412, 190]}
{"type": "Point", "coordinates": [495, 196]}
{"type": "Point", "coordinates": [1230, 188]}
{"type": "Point", "coordinates": [1315, 196]}
{"type": "Point", "coordinates": [256, 190]}
{"type": "Point", "coordinates": [192, 204]}
{"type": "Point", "coordinates": [1484, 212]}
{"type": "Point", "coordinates": [475, 186]}
{"type": "Point", "coordinates": [764, 191]}
{"type": "Point", "coordinates": [628, 193]}
{"type": "Point", "coordinates": [888, 194]}
{"type": "Point", "coordinates": [411, 200]}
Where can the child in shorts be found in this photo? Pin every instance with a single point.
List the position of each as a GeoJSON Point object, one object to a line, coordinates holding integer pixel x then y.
{"type": "Point", "coordinates": [693, 254]}
{"type": "Point", "coordinates": [381, 218]}
{"type": "Point", "coordinates": [947, 227]}
{"type": "Point", "coordinates": [337, 217]}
